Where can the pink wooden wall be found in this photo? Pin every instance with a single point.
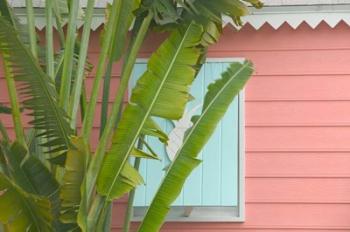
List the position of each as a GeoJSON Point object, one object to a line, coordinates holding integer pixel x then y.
{"type": "Point", "coordinates": [297, 129]}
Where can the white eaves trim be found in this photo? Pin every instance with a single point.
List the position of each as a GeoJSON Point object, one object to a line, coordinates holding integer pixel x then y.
{"type": "Point", "coordinates": [275, 16]}
{"type": "Point", "coordinates": [294, 16]}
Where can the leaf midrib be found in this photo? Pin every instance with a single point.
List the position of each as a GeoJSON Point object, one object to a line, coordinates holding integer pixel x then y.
{"type": "Point", "coordinates": [42, 84]}
{"type": "Point", "coordinates": [150, 108]}
{"type": "Point", "coordinates": [203, 114]}
{"type": "Point", "coordinates": [196, 125]}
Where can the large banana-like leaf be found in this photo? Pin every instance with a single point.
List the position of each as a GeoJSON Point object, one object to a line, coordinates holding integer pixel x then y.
{"type": "Point", "coordinates": [161, 91]}
{"type": "Point", "coordinates": [121, 28]}
{"type": "Point", "coordinates": [32, 176]}
{"type": "Point", "coordinates": [5, 10]}
{"type": "Point", "coordinates": [77, 157]}
{"type": "Point", "coordinates": [129, 178]}
{"type": "Point", "coordinates": [37, 90]}
{"type": "Point", "coordinates": [164, 11]}
{"type": "Point", "coordinates": [3, 146]}
{"type": "Point", "coordinates": [21, 211]}
{"type": "Point", "coordinates": [218, 98]}
{"type": "Point", "coordinates": [213, 10]}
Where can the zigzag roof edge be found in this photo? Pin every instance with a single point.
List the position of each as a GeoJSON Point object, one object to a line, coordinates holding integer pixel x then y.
{"type": "Point", "coordinates": [275, 16]}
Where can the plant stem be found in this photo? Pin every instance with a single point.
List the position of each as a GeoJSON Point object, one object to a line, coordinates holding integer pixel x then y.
{"type": "Point", "coordinates": [50, 69]}
{"type": "Point", "coordinates": [130, 208]}
{"type": "Point", "coordinates": [6, 228]}
{"type": "Point", "coordinates": [97, 160]}
{"type": "Point", "coordinates": [89, 182]}
{"type": "Point", "coordinates": [105, 97]}
{"type": "Point", "coordinates": [125, 77]}
{"type": "Point", "coordinates": [58, 22]}
{"type": "Point", "coordinates": [68, 55]}
{"type": "Point", "coordinates": [104, 220]}
{"type": "Point", "coordinates": [60, 32]}
{"type": "Point", "coordinates": [16, 113]}
{"type": "Point", "coordinates": [77, 87]}
{"type": "Point", "coordinates": [108, 218]}
{"type": "Point", "coordinates": [83, 102]}
{"type": "Point", "coordinates": [97, 209]}
{"type": "Point", "coordinates": [89, 116]}
{"type": "Point", "coordinates": [31, 27]}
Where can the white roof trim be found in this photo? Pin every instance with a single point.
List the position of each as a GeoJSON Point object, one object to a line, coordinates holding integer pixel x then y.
{"type": "Point", "coordinates": [296, 15]}
{"type": "Point", "coordinates": [275, 16]}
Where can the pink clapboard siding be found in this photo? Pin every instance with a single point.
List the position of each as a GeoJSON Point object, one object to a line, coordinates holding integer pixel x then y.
{"type": "Point", "coordinates": [297, 128]}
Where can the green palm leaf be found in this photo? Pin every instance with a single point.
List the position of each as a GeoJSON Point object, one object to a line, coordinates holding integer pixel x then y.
{"type": "Point", "coordinates": [7, 12]}
{"type": "Point", "coordinates": [213, 10]}
{"type": "Point", "coordinates": [4, 109]}
{"type": "Point", "coordinates": [164, 11]}
{"type": "Point", "coordinates": [129, 178]}
{"type": "Point", "coordinates": [121, 28]}
{"type": "Point", "coordinates": [29, 173]}
{"type": "Point", "coordinates": [161, 91]}
{"type": "Point", "coordinates": [21, 211]}
{"type": "Point", "coordinates": [37, 90]}
{"type": "Point", "coordinates": [3, 146]}
{"type": "Point", "coordinates": [70, 194]}
{"type": "Point", "coordinates": [218, 98]}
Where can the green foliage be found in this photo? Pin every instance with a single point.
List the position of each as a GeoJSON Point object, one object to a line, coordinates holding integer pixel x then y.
{"type": "Point", "coordinates": [21, 211]}
{"type": "Point", "coordinates": [124, 19]}
{"type": "Point", "coordinates": [37, 90]}
{"type": "Point", "coordinates": [75, 168]}
{"type": "Point", "coordinates": [30, 174]}
{"type": "Point", "coordinates": [217, 100]}
{"type": "Point", "coordinates": [36, 195]}
{"type": "Point", "coordinates": [169, 74]}
{"type": "Point", "coordinates": [4, 109]}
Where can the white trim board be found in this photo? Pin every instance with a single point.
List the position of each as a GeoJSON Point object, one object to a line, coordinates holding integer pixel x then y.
{"type": "Point", "coordinates": [295, 15]}
{"type": "Point", "coordinates": [275, 16]}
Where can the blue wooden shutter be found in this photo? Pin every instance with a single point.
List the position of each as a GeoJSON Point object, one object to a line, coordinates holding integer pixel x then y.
{"type": "Point", "coordinates": [215, 181]}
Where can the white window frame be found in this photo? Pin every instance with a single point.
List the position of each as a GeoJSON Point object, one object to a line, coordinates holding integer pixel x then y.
{"type": "Point", "coordinates": [212, 213]}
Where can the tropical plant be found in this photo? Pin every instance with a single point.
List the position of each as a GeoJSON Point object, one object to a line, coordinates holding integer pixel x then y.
{"type": "Point", "coordinates": [50, 178]}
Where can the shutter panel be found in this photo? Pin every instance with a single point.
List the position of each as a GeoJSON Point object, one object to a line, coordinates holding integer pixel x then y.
{"type": "Point", "coordinates": [215, 181]}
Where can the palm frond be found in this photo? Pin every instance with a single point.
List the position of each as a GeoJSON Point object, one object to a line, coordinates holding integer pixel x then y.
{"type": "Point", "coordinates": [21, 211]}
{"type": "Point", "coordinates": [37, 91]}
{"type": "Point", "coordinates": [31, 175]}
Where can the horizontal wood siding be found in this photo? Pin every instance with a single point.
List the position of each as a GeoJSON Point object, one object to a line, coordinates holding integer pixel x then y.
{"type": "Point", "coordinates": [297, 129]}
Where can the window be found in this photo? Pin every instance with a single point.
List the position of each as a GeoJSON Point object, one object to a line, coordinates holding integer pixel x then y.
{"type": "Point", "coordinates": [214, 191]}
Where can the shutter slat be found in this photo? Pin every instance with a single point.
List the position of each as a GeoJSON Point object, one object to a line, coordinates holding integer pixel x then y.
{"type": "Point", "coordinates": [215, 181]}
{"type": "Point", "coordinates": [193, 185]}
{"type": "Point", "coordinates": [229, 146]}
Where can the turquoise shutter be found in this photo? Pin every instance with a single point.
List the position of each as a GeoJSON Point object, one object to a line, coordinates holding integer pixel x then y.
{"type": "Point", "coordinates": [215, 181]}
